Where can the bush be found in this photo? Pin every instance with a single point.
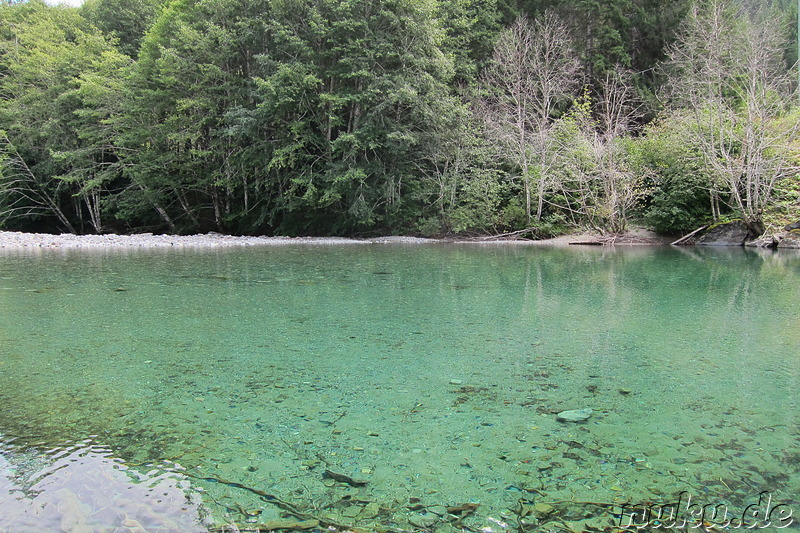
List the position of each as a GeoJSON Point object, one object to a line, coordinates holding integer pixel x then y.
{"type": "Point", "coordinates": [678, 187]}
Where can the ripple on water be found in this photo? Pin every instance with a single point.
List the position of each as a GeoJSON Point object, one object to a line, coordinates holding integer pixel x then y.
{"type": "Point", "coordinates": [82, 487]}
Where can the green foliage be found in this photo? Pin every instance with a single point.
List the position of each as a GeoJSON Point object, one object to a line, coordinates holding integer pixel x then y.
{"type": "Point", "coordinates": [61, 83]}
{"type": "Point", "coordinates": [678, 198]}
{"type": "Point", "coordinates": [728, 72]}
{"type": "Point", "coordinates": [352, 117]}
{"type": "Point", "coordinates": [349, 100]}
{"type": "Point", "coordinates": [471, 28]}
{"type": "Point", "coordinates": [785, 208]}
{"type": "Point", "coordinates": [193, 68]}
{"type": "Point", "coordinates": [125, 20]}
{"type": "Point", "coordinates": [465, 188]}
{"type": "Point", "coordinates": [609, 33]}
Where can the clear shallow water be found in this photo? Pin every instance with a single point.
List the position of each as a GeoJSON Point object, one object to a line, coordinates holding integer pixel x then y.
{"type": "Point", "coordinates": [433, 372]}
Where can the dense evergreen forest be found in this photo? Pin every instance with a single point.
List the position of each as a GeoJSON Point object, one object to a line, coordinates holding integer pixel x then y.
{"type": "Point", "coordinates": [423, 117]}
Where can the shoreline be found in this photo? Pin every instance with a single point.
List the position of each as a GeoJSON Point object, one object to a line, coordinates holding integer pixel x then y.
{"type": "Point", "coordinates": [20, 240]}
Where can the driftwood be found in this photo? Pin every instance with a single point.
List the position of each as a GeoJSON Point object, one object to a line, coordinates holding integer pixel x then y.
{"type": "Point", "coordinates": [305, 519]}
{"type": "Point", "coordinates": [460, 512]}
{"type": "Point", "coordinates": [342, 478]}
{"type": "Point", "coordinates": [688, 236]}
{"type": "Point", "coordinates": [587, 243]}
{"type": "Point", "coordinates": [465, 508]}
{"type": "Point", "coordinates": [506, 235]}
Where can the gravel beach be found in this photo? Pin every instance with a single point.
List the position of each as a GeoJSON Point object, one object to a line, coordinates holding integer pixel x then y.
{"type": "Point", "coordinates": [10, 239]}
{"type": "Point", "coordinates": [17, 240]}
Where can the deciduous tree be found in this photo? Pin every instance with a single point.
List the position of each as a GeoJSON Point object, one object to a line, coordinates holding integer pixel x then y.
{"type": "Point", "coordinates": [533, 72]}
{"type": "Point", "coordinates": [728, 69]}
{"type": "Point", "coordinates": [599, 183]}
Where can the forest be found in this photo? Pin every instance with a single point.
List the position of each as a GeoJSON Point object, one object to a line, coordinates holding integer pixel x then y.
{"type": "Point", "coordinates": [410, 117]}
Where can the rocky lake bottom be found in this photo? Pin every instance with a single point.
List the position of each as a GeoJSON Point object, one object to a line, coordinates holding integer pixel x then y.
{"type": "Point", "coordinates": [403, 387]}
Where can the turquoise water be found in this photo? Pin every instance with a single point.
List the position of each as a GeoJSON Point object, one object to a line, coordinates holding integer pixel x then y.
{"type": "Point", "coordinates": [151, 389]}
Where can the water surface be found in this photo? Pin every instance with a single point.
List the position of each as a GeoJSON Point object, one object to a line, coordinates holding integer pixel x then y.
{"type": "Point", "coordinates": [156, 387]}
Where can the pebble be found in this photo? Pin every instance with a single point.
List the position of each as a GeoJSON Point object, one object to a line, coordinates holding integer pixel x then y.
{"type": "Point", "coordinates": [577, 415]}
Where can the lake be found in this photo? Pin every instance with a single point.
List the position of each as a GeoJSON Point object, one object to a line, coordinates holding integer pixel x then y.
{"type": "Point", "coordinates": [389, 387]}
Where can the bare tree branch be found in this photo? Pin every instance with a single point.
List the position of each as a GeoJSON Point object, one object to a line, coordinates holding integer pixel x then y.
{"type": "Point", "coordinates": [23, 190]}
{"type": "Point", "coordinates": [534, 69]}
{"type": "Point", "coordinates": [727, 69]}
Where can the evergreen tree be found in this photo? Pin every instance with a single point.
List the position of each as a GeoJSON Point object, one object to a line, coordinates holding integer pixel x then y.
{"type": "Point", "coordinates": [61, 80]}
{"type": "Point", "coordinates": [194, 67]}
{"type": "Point", "coordinates": [125, 20]}
{"type": "Point", "coordinates": [350, 96]}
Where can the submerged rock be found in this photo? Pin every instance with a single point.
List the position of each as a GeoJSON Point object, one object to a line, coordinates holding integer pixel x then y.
{"type": "Point", "coordinates": [577, 415]}
{"type": "Point", "coordinates": [424, 520]}
{"type": "Point", "coordinates": [543, 510]}
{"type": "Point", "coordinates": [371, 510]}
{"type": "Point", "coordinates": [352, 511]}
{"type": "Point", "coordinates": [438, 510]}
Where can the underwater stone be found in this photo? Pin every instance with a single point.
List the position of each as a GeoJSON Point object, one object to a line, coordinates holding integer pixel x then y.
{"type": "Point", "coordinates": [423, 520]}
{"type": "Point", "coordinates": [352, 511]}
{"type": "Point", "coordinates": [370, 511]}
{"type": "Point", "coordinates": [577, 415]}
{"type": "Point", "coordinates": [541, 510]}
{"type": "Point", "coordinates": [342, 478]}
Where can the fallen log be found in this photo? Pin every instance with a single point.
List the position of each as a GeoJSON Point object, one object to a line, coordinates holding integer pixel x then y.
{"type": "Point", "coordinates": [688, 236]}
{"type": "Point", "coordinates": [588, 243]}
{"type": "Point", "coordinates": [507, 235]}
